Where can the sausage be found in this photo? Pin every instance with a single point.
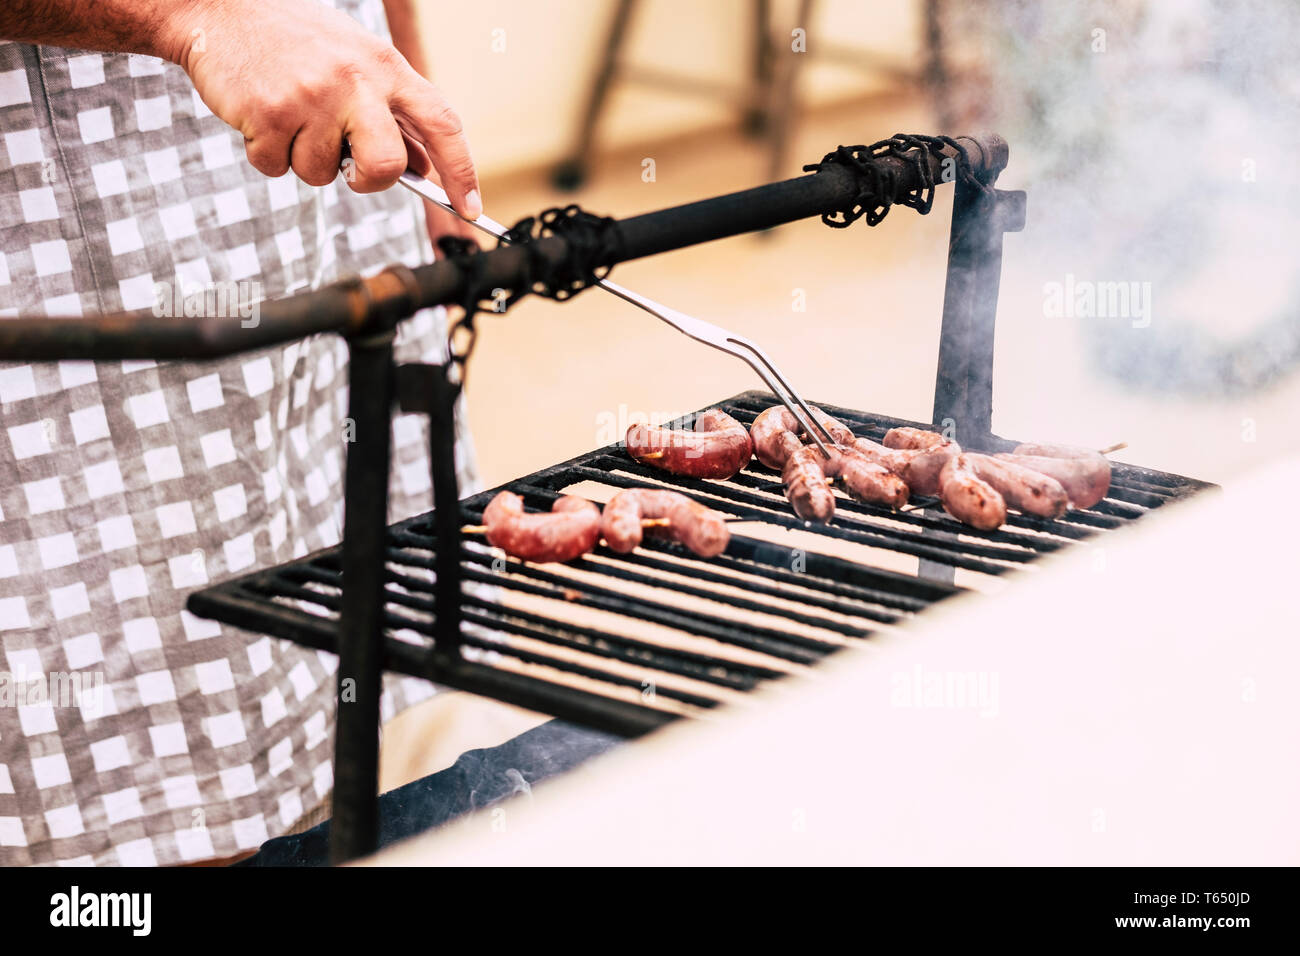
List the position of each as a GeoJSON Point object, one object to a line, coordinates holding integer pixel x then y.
{"type": "Point", "coordinates": [912, 438]}
{"type": "Point", "coordinates": [718, 447]}
{"type": "Point", "coordinates": [571, 528]}
{"type": "Point", "coordinates": [777, 435]}
{"type": "Point", "coordinates": [892, 458]}
{"type": "Point", "coordinates": [969, 498]}
{"type": "Point", "coordinates": [926, 465]}
{"type": "Point", "coordinates": [918, 467]}
{"type": "Point", "coordinates": [702, 530]}
{"type": "Point", "coordinates": [840, 433]}
{"type": "Point", "coordinates": [805, 477]}
{"type": "Point", "coordinates": [864, 479]}
{"type": "Point", "coordinates": [1049, 450]}
{"type": "Point", "coordinates": [1085, 480]}
{"type": "Point", "coordinates": [805, 485]}
{"type": "Point", "coordinates": [1028, 491]}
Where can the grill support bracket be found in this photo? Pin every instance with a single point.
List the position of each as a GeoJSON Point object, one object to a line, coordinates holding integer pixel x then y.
{"type": "Point", "coordinates": [963, 388]}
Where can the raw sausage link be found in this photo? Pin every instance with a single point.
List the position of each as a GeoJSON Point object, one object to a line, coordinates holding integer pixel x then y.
{"type": "Point", "coordinates": [1028, 491]}
{"type": "Point", "coordinates": [969, 498]}
{"type": "Point", "coordinates": [718, 447]}
{"type": "Point", "coordinates": [701, 529]}
{"type": "Point", "coordinates": [912, 438]}
{"type": "Point", "coordinates": [1085, 480]}
{"type": "Point", "coordinates": [570, 529]}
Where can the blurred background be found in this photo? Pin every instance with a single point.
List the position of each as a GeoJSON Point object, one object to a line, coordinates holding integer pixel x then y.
{"type": "Point", "coordinates": [1156, 140]}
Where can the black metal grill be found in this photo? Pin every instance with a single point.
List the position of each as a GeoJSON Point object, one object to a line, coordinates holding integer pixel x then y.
{"type": "Point", "coordinates": [623, 643]}
{"type": "Point", "coordinates": [628, 642]}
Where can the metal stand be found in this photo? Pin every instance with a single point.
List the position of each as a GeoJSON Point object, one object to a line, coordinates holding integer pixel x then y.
{"type": "Point", "coordinates": [355, 829]}
{"type": "Point", "coordinates": [963, 388]}
{"type": "Point", "coordinates": [426, 390]}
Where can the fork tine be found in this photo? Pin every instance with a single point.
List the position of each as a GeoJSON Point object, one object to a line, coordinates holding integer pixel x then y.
{"type": "Point", "coordinates": [780, 393]}
{"type": "Point", "coordinates": [776, 372]}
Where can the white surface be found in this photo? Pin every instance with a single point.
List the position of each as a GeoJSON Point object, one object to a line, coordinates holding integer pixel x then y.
{"type": "Point", "coordinates": [1145, 713]}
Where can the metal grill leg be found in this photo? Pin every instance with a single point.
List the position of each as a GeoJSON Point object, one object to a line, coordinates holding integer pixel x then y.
{"type": "Point", "coordinates": [354, 831]}
{"type": "Point", "coordinates": [963, 388]}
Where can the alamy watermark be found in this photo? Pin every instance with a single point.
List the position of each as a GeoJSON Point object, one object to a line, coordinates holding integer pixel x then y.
{"type": "Point", "coordinates": [954, 690]}
{"type": "Point", "coordinates": [220, 300]}
{"type": "Point", "coordinates": [56, 688]}
{"type": "Point", "coordinates": [1087, 299]}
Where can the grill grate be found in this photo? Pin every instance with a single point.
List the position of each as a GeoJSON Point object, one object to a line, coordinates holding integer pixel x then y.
{"type": "Point", "coordinates": [628, 642]}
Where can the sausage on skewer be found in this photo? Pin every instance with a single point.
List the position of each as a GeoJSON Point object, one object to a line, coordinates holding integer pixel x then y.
{"type": "Point", "coordinates": [701, 529]}
{"type": "Point", "coordinates": [1085, 480]}
{"type": "Point", "coordinates": [569, 530]}
{"type": "Point", "coordinates": [718, 447]}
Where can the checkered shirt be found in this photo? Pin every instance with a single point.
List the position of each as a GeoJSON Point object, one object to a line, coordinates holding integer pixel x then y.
{"type": "Point", "coordinates": [125, 486]}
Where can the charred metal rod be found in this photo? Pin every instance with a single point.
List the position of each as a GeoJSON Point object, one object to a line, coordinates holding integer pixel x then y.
{"type": "Point", "coordinates": [360, 306]}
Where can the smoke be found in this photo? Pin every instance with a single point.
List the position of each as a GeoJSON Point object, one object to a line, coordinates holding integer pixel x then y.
{"type": "Point", "coordinates": [1158, 140]}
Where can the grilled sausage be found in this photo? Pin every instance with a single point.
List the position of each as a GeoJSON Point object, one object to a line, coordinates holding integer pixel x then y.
{"type": "Point", "coordinates": [701, 529]}
{"type": "Point", "coordinates": [777, 434]}
{"type": "Point", "coordinates": [718, 447]}
{"type": "Point", "coordinates": [570, 529]}
{"type": "Point", "coordinates": [864, 479]}
{"type": "Point", "coordinates": [912, 438]}
{"type": "Point", "coordinates": [969, 498]}
{"type": "Point", "coordinates": [805, 485]}
{"type": "Point", "coordinates": [840, 433]}
{"type": "Point", "coordinates": [919, 467]}
{"type": "Point", "coordinates": [805, 477]}
{"type": "Point", "coordinates": [1028, 491]}
{"type": "Point", "coordinates": [1085, 480]}
{"type": "Point", "coordinates": [1048, 450]}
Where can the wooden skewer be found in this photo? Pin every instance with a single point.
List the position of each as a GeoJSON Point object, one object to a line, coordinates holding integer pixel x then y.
{"type": "Point", "coordinates": [645, 523]}
{"type": "Point", "coordinates": [1115, 447]}
{"type": "Point", "coordinates": [921, 505]}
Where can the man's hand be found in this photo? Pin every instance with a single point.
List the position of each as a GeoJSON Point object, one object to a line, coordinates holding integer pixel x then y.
{"type": "Point", "coordinates": [297, 77]}
{"type": "Point", "coordinates": [403, 24]}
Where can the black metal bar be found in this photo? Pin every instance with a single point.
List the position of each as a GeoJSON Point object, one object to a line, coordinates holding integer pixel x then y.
{"type": "Point", "coordinates": [963, 388]}
{"type": "Point", "coordinates": [427, 389]}
{"type": "Point", "coordinates": [355, 831]}
{"type": "Point", "coordinates": [446, 515]}
{"type": "Point", "coordinates": [358, 306]}
{"type": "Point", "coordinates": [246, 604]}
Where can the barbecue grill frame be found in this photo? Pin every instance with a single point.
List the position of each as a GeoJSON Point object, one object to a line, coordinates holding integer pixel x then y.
{"type": "Point", "coordinates": [367, 311]}
{"type": "Point", "coordinates": [245, 601]}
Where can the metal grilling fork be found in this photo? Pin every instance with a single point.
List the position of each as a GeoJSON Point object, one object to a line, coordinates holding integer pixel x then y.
{"type": "Point", "coordinates": [706, 332]}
